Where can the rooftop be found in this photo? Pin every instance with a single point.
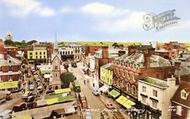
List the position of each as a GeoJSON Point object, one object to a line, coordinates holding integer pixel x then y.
{"type": "Point", "coordinates": [155, 81]}
{"type": "Point", "coordinates": [10, 61]}
{"type": "Point", "coordinates": [138, 58]}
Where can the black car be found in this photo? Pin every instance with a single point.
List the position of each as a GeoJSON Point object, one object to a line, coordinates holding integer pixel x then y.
{"type": "Point", "coordinates": [74, 64]}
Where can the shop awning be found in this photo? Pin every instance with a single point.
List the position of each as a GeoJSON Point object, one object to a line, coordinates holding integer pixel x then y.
{"type": "Point", "coordinates": [22, 117]}
{"type": "Point", "coordinates": [59, 99]}
{"type": "Point", "coordinates": [125, 102]}
{"type": "Point", "coordinates": [65, 90]}
{"type": "Point", "coordinates": [104, 88]}
{"type": "Point", "coordinates": [114, 93]}
{"type": "Point", "coordinates": [121, 99]}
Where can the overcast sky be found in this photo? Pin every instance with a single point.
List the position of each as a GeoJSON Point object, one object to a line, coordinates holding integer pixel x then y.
{"type": "Point", "coordinates": [91, 20]}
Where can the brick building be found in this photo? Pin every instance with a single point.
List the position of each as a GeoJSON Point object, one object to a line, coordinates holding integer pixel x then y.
{"type": "Point", "coordinates": [172, 49]}
{"type": "Point", "coordinates": [142, 62]}
{"type": "Point", "coordinates": [10, 70]}
{"type": "Point", "coordinates": [180, 108]}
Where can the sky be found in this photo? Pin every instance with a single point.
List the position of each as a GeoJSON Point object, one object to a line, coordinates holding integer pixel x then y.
{"type": "Point", "coordinates": [91, 20]}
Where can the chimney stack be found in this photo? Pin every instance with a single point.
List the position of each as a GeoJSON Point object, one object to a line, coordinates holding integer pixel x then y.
{"type": "Point", "coordinates": [147, 53]}
{"type": "Point", "coordinates": [105, 53]}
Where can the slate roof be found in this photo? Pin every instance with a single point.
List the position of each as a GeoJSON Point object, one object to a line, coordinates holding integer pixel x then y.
{"type": "Point", "coordinates": [10, 61]}
{"type": "Point", "coordinates": [155, 81]}
{"type": "Point", "coordinates": [177, 96]}
{"type": "Point", "coordinates": [138, 58]}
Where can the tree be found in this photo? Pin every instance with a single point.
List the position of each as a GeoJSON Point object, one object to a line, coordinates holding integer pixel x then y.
{"type": "Point", "coordinates": [115, 45]}
{"type": "Point", "coordinates": [66, 79]}
{"type": "Point", "coordinates": [31, 42]}
{"type": "Point", "coordinates": [9, 42]}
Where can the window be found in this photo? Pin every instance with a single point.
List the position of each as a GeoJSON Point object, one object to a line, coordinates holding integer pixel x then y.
{"type": "Point", "coordinates": [40, 57]}
{"type": "Point", "coordinates": [155, 93]}
{"type": "Point", "coordinates": [56, 67]}
{"type": "Point", "coordinates": [36, 53]}
{"type": "Point", "coordinates": [154, 103]}
{"type": "Point", "coordinates": [144, 99]}
{"type": "Point", "coordinates": [184, 94]}
{"type": "Point", "coordinates": [30, 53]}
{"type": "Point", "coordinates": [144, 89]}
{"type": "Point", "coordinates": [179, 110]}
{"type": "Point", "coordinates": [133, 90]}
{"type": "Point", "coordinates": [40, 53]}
{"type": "Point", "coordinates": [44, 53]}
{"type": "Point", "coordinates": [36, 57]}
{"type": "Point", "coordinates": [30, 57]}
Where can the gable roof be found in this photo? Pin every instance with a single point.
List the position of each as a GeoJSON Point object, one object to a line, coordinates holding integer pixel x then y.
{"type": "Point", "coordinates": [54, 55]}
{"type": "Point", "coordinates": [138, 58]}
{"type": "Point", "coordinates": [177, 96]}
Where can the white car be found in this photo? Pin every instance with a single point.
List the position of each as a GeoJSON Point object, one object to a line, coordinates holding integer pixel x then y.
{"type": "Point", "coordinates": [96, 92]}
{"type": "Point", "coordinates": [6, 114]}
{"type": "Point", "coordinates": [31, 87]}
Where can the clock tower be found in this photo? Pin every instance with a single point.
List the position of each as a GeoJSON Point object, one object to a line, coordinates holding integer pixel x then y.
{"type": "Point", "coordinates": [56, 68]}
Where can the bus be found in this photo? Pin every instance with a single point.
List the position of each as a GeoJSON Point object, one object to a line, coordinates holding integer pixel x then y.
{"type": "Point", "coordinates": [76, 86]}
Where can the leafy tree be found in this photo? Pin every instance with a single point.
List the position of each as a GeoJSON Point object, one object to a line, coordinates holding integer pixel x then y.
{"type": "Point", "coordinates": [31, 42]}
{"type": "Point", "coordinates": [9, 42]}
{"type": "Point", "coordinates": [66, 79]}
{"type": "Point", "coordinates": [115, 45]}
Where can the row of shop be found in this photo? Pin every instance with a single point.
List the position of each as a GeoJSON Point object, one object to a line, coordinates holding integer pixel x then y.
{"type": "Point", "coordinates": [132, 107]}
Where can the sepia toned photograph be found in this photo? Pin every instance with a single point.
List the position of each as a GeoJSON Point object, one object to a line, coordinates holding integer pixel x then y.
{"type": "Point", "coordinates": [94, 59]}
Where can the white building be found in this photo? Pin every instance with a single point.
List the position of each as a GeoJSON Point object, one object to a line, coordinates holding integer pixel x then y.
{"type": "Point", "coordinates": [156, 94]}
{"type": "Point", "coordinates": [66, 53]}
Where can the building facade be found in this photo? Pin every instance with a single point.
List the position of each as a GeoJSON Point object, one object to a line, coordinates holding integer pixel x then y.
{"type": "Point", "coordinates": [180, 108]}
{"type": "Point", "coordinates": [66, 53]}
{"type": "Point", "coordinates": [155, 95]}
{"type": "Point", "coordinates": [129, 69]}
{"type": "Point", "coordinates": [10, 70]}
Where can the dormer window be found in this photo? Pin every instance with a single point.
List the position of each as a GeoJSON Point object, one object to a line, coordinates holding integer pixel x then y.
{"type": "Point", "coordinates": [184, 94]}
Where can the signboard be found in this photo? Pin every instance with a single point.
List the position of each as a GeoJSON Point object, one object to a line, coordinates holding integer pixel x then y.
{"type": "Point", "coordinates": [9, 84]}
{"type": "Point", "coordinates": [106, 76]}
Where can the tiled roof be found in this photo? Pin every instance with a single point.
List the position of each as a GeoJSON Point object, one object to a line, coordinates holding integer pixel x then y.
{"type": "Point", "coordinates": [177, 96]}
{"type": "Point", "coordinates": [184, 70]}
{"type": "Point", "coordinates": [10, 61]}
{"type": "Point", "coordinates": [138, 58]}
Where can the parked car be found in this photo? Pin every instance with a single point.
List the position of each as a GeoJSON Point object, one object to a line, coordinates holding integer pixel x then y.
{"type": "Point", "coordinates": [109, 105]}
{"type": "Point", "coordinates": [88, 114]}
{"type": "Point", "coordinates": [6, 114]}
{"type": "Point", "coordinates": [104, 115]}
{"type": "Point", "coordinates": [31, 87]}
{"type": "Point", "coordinates": [19, 107]}
{"type": "Point", "coordinates": [117, 115]}
{"type": "Point", "coordinates": [96, 92]}
{"type": "Point", "coordinates": [74, 64]}
{"type": "Point", "coordinates": [40, 89]}
{"type": "Point", "coordinates": [83, 100]}
{"type": "Point", "coordinates": [26, 94]}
